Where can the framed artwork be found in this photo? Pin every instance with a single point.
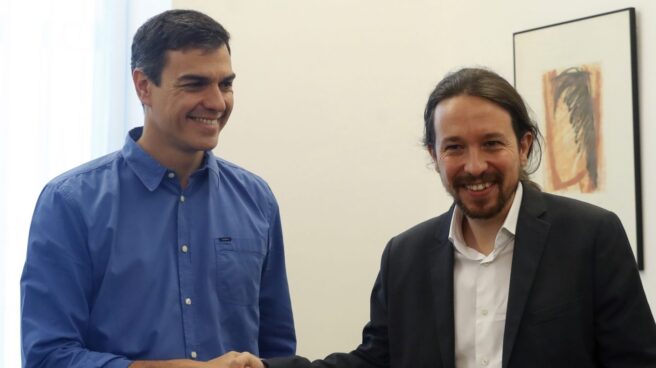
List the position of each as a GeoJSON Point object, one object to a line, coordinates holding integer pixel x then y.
{"type": "Point", "coordinates": [580, 80]}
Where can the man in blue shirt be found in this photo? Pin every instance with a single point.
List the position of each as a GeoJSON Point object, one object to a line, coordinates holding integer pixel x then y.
{"type": "Point", "coordinates": [160, 254]}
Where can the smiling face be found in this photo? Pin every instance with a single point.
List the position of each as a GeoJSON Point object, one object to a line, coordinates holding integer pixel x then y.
{"type": "Point", "coordinates": [477, 155]}
{"type": "Point", "coordinates": [186, 112]}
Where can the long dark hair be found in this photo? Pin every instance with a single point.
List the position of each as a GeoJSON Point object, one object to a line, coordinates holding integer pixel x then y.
{"type": "Point", "coordinates": [490, 86]}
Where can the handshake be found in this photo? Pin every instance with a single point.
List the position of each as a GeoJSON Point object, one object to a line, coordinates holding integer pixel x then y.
{"type": "Point", "coordinates": [233, 359]}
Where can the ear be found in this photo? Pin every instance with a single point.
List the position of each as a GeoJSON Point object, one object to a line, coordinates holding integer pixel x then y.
{"type": "Point", "coordinates": [142, 86]}
{"type": "Point", "coordinates": [525, 145]}
{"type": "Point", "coordinates": [433, 154]}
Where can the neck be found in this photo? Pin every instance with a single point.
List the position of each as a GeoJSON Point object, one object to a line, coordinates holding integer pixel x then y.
{"type": "Point", "coordinates": [481, 234]}
{"type": "Point", "coordinates": [181, 162]}
{"type": "Point", "coordinates": [182, 166]}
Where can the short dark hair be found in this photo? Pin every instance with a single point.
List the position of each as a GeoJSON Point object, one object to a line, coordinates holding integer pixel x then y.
{"type": "Point", "coordinates": [492, 87]}
{"type": "Point", "coordinates": [174, 30]}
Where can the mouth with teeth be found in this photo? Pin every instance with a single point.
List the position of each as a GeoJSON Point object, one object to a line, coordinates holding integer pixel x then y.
{"type": "Point", "coordinates": [477, 183]}
{"type": "Point", "coordinates": [205, 120]}
{"type": "Point", "coordinates": [478, 187]}
{"type": "Point", "coordinates": [482, 196]}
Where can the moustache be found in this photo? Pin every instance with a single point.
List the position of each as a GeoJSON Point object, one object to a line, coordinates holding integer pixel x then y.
{"type": "Point", "coordinates": [469, 179]}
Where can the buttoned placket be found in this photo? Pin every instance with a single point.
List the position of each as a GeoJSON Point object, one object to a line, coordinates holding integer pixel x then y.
{"type": "Point", "coordinates": [486, 302]}
{"type": "Point", "coordinates": [184, 251]}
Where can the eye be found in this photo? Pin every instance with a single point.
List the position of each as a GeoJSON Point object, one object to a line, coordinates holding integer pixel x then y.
{"type": "Point", "coordinates": [492, 144]}
{"type": "Point", "coordinates": [452, 148]}
{"type": "Point", "coordinates": [195, 86]}
{"type": "Point", "coordinates": [226, 85]}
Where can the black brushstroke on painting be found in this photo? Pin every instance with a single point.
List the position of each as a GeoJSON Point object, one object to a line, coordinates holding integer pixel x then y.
{"type": "Point", "coordinates": [574, 86]}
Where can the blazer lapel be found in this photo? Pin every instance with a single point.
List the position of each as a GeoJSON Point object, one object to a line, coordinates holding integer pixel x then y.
{"type": "Point", "coordinates": [530, 238]}
{"type": "Point", "coordinates": [441, 273]}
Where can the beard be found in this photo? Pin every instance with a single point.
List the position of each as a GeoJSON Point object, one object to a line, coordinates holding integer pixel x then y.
{"type": "Point", "coordinates": [481, 210]}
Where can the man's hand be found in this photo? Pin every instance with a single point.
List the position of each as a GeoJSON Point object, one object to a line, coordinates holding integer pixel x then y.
{"type": "Point", "coordinates": [236, 360]}
{"type": "Point", "coordinates": [232, 359]}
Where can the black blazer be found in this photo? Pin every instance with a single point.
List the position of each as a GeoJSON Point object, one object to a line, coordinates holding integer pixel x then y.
{"type": "Point", "coordinates": [575, 297]}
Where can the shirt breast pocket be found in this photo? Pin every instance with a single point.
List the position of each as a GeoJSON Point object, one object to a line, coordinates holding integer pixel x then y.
{"type": "Point", "coordinates": [239, 264]}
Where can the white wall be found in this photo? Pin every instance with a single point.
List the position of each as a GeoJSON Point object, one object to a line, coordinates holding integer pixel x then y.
{"type": "Point", "coordinates": [329, 99]}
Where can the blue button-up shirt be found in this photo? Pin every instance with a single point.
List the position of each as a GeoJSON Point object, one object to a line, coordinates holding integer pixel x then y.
{"type": "Point", "coordinates": [123, 264]}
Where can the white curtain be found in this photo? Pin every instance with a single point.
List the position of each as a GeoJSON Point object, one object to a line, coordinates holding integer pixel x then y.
{"type": "Point", "coordinates": [65, 98]}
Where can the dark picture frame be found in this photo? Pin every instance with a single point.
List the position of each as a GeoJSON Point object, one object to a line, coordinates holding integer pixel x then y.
{"type": "Point", "coordinates": [580, 78]}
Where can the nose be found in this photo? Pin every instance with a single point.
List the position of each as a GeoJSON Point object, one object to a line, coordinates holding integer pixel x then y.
{"type": "Point", "coordinates": [475, 163]}
{"type": "Point", "coordinates": [214, 99]}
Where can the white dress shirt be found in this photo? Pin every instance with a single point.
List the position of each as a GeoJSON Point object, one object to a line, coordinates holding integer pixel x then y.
{"type": "Point", "coordinates": [480, 285]}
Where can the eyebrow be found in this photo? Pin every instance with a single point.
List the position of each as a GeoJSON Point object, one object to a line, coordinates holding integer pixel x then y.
{"type": "Point", "coordinates": [229, 78]}
{"type": "Point", "coordinates": [493, 135]}
{"type": "Point", "coordinates": [193, 78]}
{"type": "Point", "coordinates": [199, 79]}
{"type": "Point", "coordinates": [450, 139]}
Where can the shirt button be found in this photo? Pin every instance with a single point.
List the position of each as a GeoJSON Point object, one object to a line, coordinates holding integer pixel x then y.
{"type": "Point", "coordinates": [193, 355]}
{"type": "Point", "coordinates": [188, 301]}
{"type": "Point", "coordinates": [484, 312]}
{"type": "Point", "coordinates": [182, 199]}
{"type": "Point", "coordinates": [184, 248]}
{"type": "Point", "coordinates": [171, 175]}
{"type": "Point", "coordinates": [484, 362]}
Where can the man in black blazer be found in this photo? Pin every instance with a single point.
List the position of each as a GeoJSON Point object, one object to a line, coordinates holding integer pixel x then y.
{"type": "Point", "coordinates": [509, 277]}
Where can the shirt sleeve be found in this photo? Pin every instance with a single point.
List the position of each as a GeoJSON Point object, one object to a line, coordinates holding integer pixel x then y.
{"type": "Point", "coordinates": [276, 336]}
{"type": "Point", "coordinates": [57, 288]}
{"type": "Point", "coordinates": [625, 328]}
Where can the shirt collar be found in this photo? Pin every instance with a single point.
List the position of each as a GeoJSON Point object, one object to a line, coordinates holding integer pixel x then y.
{"type": "Point", "coordinates": [509, 224]}
{"type": "Point", "coordinates": [149, 170]}
{"type": "Point", "coordinates": [210, 162]}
